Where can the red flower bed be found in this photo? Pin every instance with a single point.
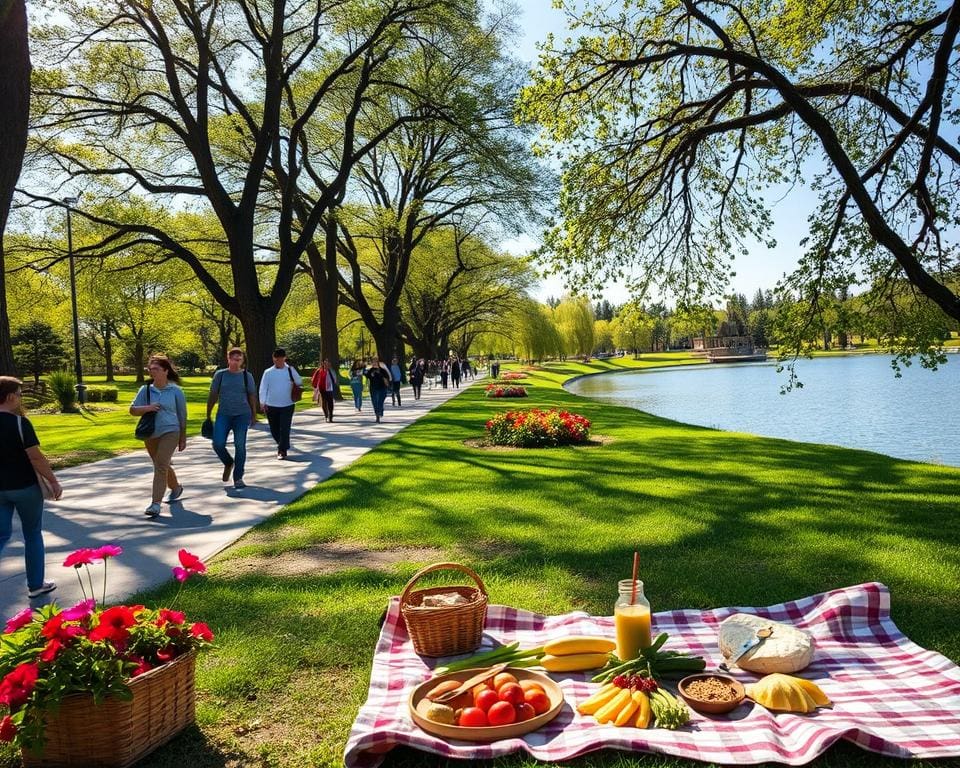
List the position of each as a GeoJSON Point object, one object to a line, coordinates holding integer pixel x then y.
{"type": "Point", "coordinates": [513, 376]}
{"type": "Point", "coordinates": [534, 428]}
{"type": "Point", "coordinates": [505, 390]}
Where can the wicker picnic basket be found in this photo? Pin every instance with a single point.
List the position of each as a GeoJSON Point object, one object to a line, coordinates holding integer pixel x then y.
{"type": "Point", "coordinates": [117, 733]}
{"type": "Point", "coordinates": [449, 629]}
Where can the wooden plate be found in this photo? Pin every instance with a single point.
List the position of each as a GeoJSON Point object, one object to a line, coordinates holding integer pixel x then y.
{"type": "Point", "coordinates": [713, 707]}
{"type": "Point", "coordinates": [490, 732]}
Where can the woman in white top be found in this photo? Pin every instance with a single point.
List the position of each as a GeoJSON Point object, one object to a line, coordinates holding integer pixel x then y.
{"type": "Point", "coordinates": [280, 386]}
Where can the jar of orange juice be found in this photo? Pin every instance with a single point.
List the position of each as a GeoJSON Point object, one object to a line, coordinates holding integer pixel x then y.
{"type": "Point", "coordinates": [631, 617]}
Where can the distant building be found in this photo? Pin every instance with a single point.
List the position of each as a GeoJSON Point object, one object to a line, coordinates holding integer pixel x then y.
{"type": "Point", "coordinates": [730, 345]}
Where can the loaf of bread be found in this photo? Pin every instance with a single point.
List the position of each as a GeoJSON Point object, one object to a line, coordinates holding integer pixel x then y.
{"type": "Point", "coordinates": [787, 650]}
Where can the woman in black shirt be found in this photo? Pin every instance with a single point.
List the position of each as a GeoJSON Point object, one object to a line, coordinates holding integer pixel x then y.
{"type": "Point", "coordinates": [380, 379]}
{"type": "Point", "coordinates": [20, 463]}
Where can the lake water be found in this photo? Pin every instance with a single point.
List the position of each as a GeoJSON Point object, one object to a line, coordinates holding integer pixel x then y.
{"type": "Point", "coordinates": [853, 401]}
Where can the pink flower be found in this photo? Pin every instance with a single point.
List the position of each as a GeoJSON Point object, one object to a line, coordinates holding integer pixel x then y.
{"type": "Point", "coordinates": [7, 729]}
{"type": "Point", "coordinates": [180, 574]}
{"type": "Point", "coordinates": [107, 550]}
{"type": "Point", "coordinates": [191, 562]}
{"type": "Point", "coordinates": [82, 556]}
{"type": "Point", "coordinates": [19, 620]}
{"type": "Point", "coordinates": [202, 632]}
{"type": "Point", "coordinates": [171, 617]}
{"type": "Point", "coordinates": [80, 612]}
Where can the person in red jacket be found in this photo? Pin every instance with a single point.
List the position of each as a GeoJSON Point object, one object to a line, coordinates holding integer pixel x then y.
{"type": "Point", "coordinates": [324, 386]}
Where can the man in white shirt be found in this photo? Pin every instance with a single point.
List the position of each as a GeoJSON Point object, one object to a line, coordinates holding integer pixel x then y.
{"type": "Point", "coordinates": [280, 386]}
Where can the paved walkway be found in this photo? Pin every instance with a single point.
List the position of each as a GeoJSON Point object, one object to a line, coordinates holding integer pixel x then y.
{"type": "Point", "coordinates": [103, 502]}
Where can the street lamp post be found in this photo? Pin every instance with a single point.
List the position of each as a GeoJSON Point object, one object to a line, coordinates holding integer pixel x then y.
{"type": "Point", "coordinates": [77, 368]}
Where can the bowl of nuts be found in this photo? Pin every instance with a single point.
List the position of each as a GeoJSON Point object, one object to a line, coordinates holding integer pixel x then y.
{"type": "Point", "coordinates": [711, 693]}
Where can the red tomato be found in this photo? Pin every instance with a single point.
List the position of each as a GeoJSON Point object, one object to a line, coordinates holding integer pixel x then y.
{"type": "Point", "coordinates": [511, 692]}
{"type": "Point", "coordinates": [525, 712]}
{"type": "Point", "coordinates": [502, 713]}
{"type": "Point", "coordinates": [472, 717]}
{"type": "Point", "coordinates": [486, 699]}
{"type": "Point", "coordinates": [538, 700]}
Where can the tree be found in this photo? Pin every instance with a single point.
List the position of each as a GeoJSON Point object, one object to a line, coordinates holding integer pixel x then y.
{"type": "Point", "coordinates": [206, 106]}
{"type": "Point", "coordinates": [573, 317]}
{"type": "Point", "coordinates": [673, 117]}
{"type": "Point", "coordinates": [302, 348]}
{"type": "Point", "coordinates": [14, 118]}
{"type": "Point", "coordinates": [37, 348]}
{"type": "Point", "coordinates": [632, 328]}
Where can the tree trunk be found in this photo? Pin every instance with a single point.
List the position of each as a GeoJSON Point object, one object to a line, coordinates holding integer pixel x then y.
{"type": "Point", "coordinates": [15, 98]}
{"type": "Point", "coordinates": [325, 282]}
{"type": "Point", "coordinates": [260, 333]}
{"type": "Point", "coordinates": [138, 361]}
{"type": "Point", "coordinates": [387, 335]}
{"type": "Point", "coordinates": [108, 350]}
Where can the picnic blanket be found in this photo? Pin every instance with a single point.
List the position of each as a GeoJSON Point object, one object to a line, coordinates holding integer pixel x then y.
{"type": "Point", "coordinates": [889, 695]}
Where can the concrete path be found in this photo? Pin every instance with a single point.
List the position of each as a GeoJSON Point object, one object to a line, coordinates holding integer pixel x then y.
{"type": "Point", "coordinates": [103, 502]}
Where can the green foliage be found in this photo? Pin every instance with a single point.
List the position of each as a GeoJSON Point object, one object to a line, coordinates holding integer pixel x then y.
{"type": "Point", "coordinates": [102, 394]}
{"type": "Point", "coordinates": [37, 348]}
{"type": "Point", "coordinates": [63, 385]}
{"type": "Point", "coordinates": [303, 349]}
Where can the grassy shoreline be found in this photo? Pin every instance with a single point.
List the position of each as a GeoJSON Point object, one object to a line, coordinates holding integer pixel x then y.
{"type": "Point", "coordinates": [720, 518]}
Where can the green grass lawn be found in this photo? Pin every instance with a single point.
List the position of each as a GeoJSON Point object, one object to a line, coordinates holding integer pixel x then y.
{"type": "Point", "coordinates": [719, 518]}
{"type": "Point", "coordinates": [106, 429]}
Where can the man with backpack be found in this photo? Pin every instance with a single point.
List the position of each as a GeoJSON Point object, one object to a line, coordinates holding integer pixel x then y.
{"type": "Point", "coordinates": [233, 387]}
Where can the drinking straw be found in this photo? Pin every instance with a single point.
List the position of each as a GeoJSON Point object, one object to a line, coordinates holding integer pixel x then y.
{"type": "Point", "coordinates": [633, 589]}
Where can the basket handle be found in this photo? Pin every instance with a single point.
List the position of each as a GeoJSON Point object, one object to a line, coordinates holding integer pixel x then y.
{"type": "Point", "coordinates": [441, 567]}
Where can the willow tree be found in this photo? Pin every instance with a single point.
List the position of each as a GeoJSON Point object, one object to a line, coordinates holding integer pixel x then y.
{"type": "Point", "coordinates": [15, 101]}
{"type": "Point", "coordinates": [674, 116]}
{"type": "Point", "coordinates": [205, 106]}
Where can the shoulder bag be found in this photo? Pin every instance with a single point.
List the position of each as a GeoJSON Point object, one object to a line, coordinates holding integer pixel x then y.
{"type": "Point", "coordinates": [45, 487]}
{"type": "Point", "coordinates": [296, 391]}
{"type": "Point", "coordinates": [147, 423]}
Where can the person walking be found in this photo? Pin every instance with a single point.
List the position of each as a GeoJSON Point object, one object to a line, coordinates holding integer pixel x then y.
{"type": "Point", "coordinates": [162, 396]}
{"type": "Point", "coordinates": [444, 373]}
{"type": "Point", "coordinates": [455, 372]}
{"type": "Point", "coordinates": [22, 466]}
{"type": "Point", "coordinates": [234, 389]}
{"type": "Point", "coordinates": [278, 386]}
{"type": "Point", "coordinates": [416, 375]}
{"type": "Point", "coordinates": [324, 383]}
{"type": "Point", "coordinates": [379, 377]}
{"type": "Point", "coordinates": [356, 384]}
{"type": "Point", "coordinates": [466, 369]}
{"type": "Point", "coordinates": [396, 377]}
{"type": "Point", "coordinates": [494, 370]}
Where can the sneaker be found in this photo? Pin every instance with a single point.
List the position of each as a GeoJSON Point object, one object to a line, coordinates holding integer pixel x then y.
{"type": "Point", "coordinates": [227, 469]}
{"type": "Point", "coordinates": [175, 494]}
{"type": "Point", "coordinates": [153, 510]}
{"type": "Point", "coordinates": [47, 586]}
{"type": "Point", "coordinates": [281, 455]}
{"type": "Point", "coordinates": [239, 484]}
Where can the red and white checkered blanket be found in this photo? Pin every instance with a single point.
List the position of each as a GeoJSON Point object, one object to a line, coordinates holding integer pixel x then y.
{"type": "Point", "coordinates": [890, 695]}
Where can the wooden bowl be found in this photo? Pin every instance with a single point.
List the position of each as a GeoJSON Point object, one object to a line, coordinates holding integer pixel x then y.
{"type": "Point", "coordinates": [710, 707]}
{"type": "Point", "coordinates": [490, 732]}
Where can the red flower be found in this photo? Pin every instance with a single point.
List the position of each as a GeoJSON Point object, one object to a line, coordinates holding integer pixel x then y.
{"type": "Point", "coordinates": [83, 556]}
{"type": "Point", "coordinates": [50, 652]}
{"type": "Point", "coordinates": [55, 628]}
{"type": "Point", "coordinates": [166, 654]}
{"type": "Point", "coordinates": [19, 620]}
{"type": "Point", "coordinates": [191, 562]}
{"type": "Point", "coordinates": [7, 729]}
{"type": "Point", "coordinates": [171, 617]}
{"type": "Point", "coordinates": [114, 625]}
{"type": "Point", "coordinates": [142, 666]}
{"type": "Point", "coordinates": [107, 550]}
{"type": "Point", "coordinates": [202, 631]}
{"type": "Point", "coordinates": [17, 686]}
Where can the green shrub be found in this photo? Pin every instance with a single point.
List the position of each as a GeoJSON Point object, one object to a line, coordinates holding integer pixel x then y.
{"type": "Point", "coordinates": [63, 386]}
{"type": "Point", "coordinates": [101, 394]}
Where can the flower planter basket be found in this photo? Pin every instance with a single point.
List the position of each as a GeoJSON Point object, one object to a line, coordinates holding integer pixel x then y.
{"type": "Point", "coordinates": [444, 630]}
{"type": "Point", "coordinates": [117, 733]}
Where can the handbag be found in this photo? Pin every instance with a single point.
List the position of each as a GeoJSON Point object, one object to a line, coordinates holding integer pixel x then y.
{"type": "Point", "coordinates": [45, 487]}
{"type": "Point", "coordinates": [147, 423]}
{"type": "Point", "coordinates": [296, 391]}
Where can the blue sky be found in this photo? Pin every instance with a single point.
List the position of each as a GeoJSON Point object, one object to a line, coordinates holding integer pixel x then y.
{"type": "Point", "coordinates": [760, 268]}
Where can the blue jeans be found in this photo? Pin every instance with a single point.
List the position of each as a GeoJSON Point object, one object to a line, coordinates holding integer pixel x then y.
{"type": "Point", "coordinates": [377, 396]}
{"type": "Point", "coordinates": [357, 394]}
{"type": "Point", "coordinates": [29, 505]}
{"type": "Point", "coordinates": [221, 428]}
